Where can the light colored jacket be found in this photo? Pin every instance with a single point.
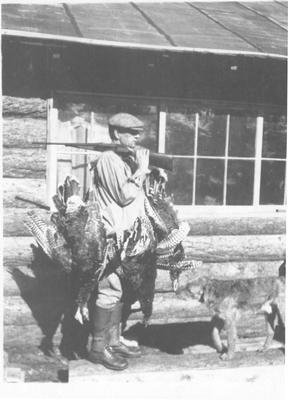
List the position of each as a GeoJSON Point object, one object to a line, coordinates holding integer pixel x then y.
{"type": "Point", "coordinates": [121, 200]}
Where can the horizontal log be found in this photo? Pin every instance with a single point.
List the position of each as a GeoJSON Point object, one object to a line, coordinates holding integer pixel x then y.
{"type": "Point", "coordinates": [241, 269]}
{"type": "Point", "coordinates": [41, 310]}
{"type": "Point", "coordinates": [22, 187]}
{"type": "Point", "coordinates": [30, 282]}
{"type": "Point", "coordinates": [15, 335]}
{"type": "Point", "coordinates": [236, 248]}
{"type": "Point", "coordinates": [173, 316]}
{"type": "Point", "coordinates": [17, 250]}
{"type": "Point", "coordinates": [167, 308]}
{"type": "Point", "coordinates": [24, 163]}
{"type": "Point", "coordinates": [209, 225]}
{"type": "Point", "coordinates": [225, 270]}
{"type": "Point", "coordinates": [13, 224]}
{"type": "Point", "coordinates": [19, 106]}
{"type": "Point", "coordinates": [23, 281]}
{"type": "Point", "coordinates": [21, 132]}
{"type": "Point", "coordinates": [13, 221]}
{"type": "Point", "coordinates": [20, 281]}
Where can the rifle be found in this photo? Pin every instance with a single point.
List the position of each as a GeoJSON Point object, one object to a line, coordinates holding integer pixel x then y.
{"type": "Point", "coordinates": [158, 160]}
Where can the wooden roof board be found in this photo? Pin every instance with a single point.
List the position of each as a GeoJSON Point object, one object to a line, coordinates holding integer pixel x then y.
{"type": "Point", "coordinates": [271, 10]}
{"type": "Point", "coordinates": [255, 29]}
{"type": "Point", "coordinates": [218, 27]}
{"type": "Point", "coordinates": [37, 18]}
{"type": "Point", "coordinates": [283, 3]}
{"type": "Point", "coordinates": [116, 21]}
{"type": "Point", "coordinates": [189, 27]}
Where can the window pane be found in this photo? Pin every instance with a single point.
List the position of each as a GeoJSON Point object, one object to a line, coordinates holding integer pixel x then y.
{"type": "Point", "coordinates": [146, 113]}
{"type": "Point", "coordinates": [70, 111]}
{"type": "Point", "coordinates": [274, 139]}
{"type": "Point", "coordinates": [85, 119]}
{"type": "Point", "coordinates": [242, 136]}
{"type": "Point", "coordinates": [272, 182]}
{"type": "Point", "coordinates": [180, 181]}
{"type": "Point", "coordinates": [209, 182]}
{"type": "Point", "coordinates": [180, 132]}
{"type": "Point", "coordinates": [240, 178]}
{"type": "Point", "coordinates": [211, 134]}
{"type": "Point", "coordinates": [74, 113]}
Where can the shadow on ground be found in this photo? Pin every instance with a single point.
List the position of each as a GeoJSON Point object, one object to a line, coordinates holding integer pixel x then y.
{"type": "Point", "coordinates": [49, 293]}
{"type": "Point", "coordinates": [171, 338]}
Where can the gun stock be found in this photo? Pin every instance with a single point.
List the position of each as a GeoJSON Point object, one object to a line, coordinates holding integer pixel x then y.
{"type": "Point", "coordinates": [163, 161]}
{"type": "Point", "coordinates": [158, 160]}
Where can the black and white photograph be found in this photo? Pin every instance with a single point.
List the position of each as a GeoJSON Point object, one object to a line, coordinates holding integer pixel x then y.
{"type": "Point", "coordinates": [144, 187]}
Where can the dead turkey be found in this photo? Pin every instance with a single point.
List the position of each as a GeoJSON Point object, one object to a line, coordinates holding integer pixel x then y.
{"type": "Point", "coordinates": [170, 233]}
{"type": "Point", "coordinates": [162, 248]}
{"type": "Point", "coordinates": [75, 238]}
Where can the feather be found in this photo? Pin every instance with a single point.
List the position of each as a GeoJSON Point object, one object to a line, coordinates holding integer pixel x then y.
{"type": "Point", "coordinates": [152, 213]}
{"type": "Point", "coordinates": [71, 188]}
{"type": "Point", "coordinates": [140, 258]}
{"type": "Point", "coordinates": [175, 237]}
{"type": "Point", "coordinates": [163, 216]}
{"type": "Point", "coordinates": [141, 238]}
{"type": "Point", "coordinates": [67, 198]}
{"type": "Point", "coordinates": [51, 241]}
{"type": "Point", "coordinates": [61, 253]}
{"type": "Point", "coordinates": [170, 233]}
{"type": "Point", "coordinates": [38, 228]}
{"type": "Point", "coordinates": [75, 238]}
{"type": "Point", "coordinates": [59, 204]}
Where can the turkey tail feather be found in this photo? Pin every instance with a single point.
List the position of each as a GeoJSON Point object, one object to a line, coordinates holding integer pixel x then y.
{"type": "Point", "coordinates": [38, 228]}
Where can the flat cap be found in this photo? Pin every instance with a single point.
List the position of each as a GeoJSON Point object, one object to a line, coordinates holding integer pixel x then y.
{"type": "Point", "coordinates": [126, 121]}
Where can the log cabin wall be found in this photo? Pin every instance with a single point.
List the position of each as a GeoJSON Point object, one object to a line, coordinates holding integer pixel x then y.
{"type": "Point", "coordinates": [28, 291]}
{"type": "Point", "coordinates": [233, 247]}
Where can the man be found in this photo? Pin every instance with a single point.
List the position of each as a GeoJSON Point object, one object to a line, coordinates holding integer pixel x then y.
{"type": "Point", "coordinates": [119, 191]}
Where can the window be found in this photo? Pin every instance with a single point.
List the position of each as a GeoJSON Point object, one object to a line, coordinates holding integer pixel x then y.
{"type": "Point", "coordinates": [221, 158]}
{"type": "Point", "coordinates": [226, 159]}
{"type": "Point", "coordinates": [84, 119]}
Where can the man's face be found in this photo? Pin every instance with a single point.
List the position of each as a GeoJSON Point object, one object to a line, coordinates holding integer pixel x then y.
{"type": "Point", "coordinates": [129, 139]}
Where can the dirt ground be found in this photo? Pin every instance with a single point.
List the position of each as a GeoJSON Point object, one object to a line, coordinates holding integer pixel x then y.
{"type": "Point", "coordinates": [164, 348]}
{"type": "Point", "coordinates": [37, 366]}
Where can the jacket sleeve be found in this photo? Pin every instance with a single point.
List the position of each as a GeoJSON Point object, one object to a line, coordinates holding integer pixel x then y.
{"type": "Point", "coordinates": [115, 177]}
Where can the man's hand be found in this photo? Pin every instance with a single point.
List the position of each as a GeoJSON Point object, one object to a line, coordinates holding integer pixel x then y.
{"type": "Point", "coordinates": [82, 314]}
{"type": "Point", "coordinates": [162, 175]}
{"type": "Point", "coordinates": [142, 162]}
{"type": "Point", "coordinates": [142, 159]}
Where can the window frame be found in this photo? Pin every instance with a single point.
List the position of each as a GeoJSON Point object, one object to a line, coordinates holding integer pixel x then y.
{"type": "Point", "coordinates": [162, 106]}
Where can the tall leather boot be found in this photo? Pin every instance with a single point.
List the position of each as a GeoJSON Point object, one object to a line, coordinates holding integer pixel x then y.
{"type": "Point", "coordinates": [100, 353]}
{"type": "Point", "coordinates": [114, 336]}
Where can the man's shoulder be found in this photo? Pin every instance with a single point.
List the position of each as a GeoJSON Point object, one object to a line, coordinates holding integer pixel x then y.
{"type": "Point", "coordinates": [109, 157]}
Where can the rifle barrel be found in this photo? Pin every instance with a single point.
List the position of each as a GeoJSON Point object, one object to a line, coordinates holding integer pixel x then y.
{"type": "Point", "coordinates": [158, 160]}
